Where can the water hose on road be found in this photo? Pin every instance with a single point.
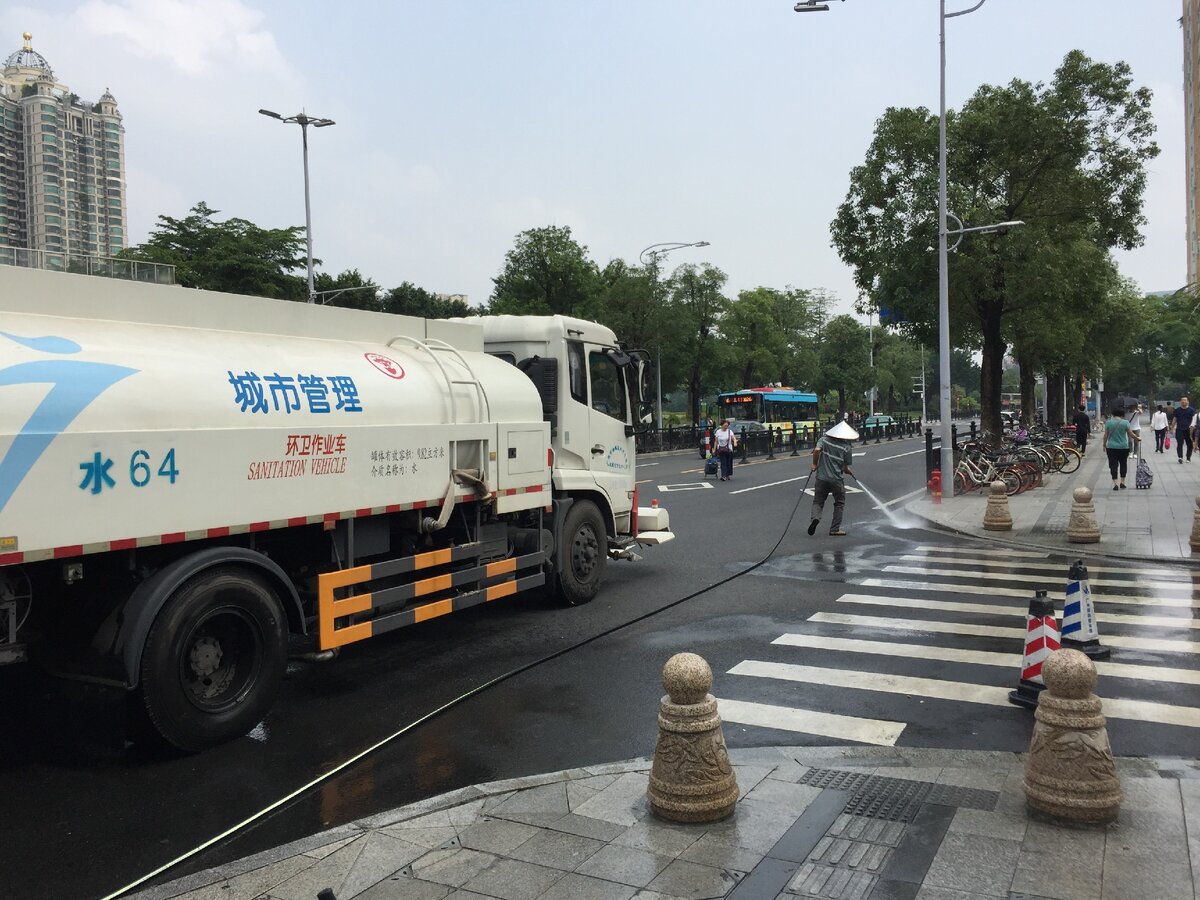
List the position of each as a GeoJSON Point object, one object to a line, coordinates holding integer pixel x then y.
{"type": "Point", "coordinates": [450, 704]}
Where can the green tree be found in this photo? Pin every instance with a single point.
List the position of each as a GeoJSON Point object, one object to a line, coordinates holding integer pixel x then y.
{"type": "Point", "coordinates": [234, 255]}
{"type": "Point", "coordinates": [546, 273]}
{"type": "Point", "coordinates": [845, 361]}
{"type": "Point", "coordinates": [699, 308]}
{"type": "Point", "coordinates": [409, 300]}
{"type": "Point", "coordinates": [1067, 158]}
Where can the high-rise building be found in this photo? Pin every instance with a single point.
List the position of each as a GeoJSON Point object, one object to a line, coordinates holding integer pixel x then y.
{"type": "Point", "coordinates": [1191, 115]}
{"type": "Point", "coordinates": [62, 163]}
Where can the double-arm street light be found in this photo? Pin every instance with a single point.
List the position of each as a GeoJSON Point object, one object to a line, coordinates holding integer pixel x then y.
{"type": "Point", "coordinates": [304, 120]}
{"type": "Point", "coordinates": [653, 253]}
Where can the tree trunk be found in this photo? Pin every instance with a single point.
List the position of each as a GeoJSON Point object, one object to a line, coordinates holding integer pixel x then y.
{"type": "Point", "coordinates": [694, 395]}
{"type": "Point", "coordinates": [841, 392]}
{"type": "Point", "coordinates": [992, 373]}
{"type": "Point", "coordinates": [891, 404]}
{"type": "Point", "coordinates": [1028, 391]}
{"type": "Point", "coordinates": [1054, 398]}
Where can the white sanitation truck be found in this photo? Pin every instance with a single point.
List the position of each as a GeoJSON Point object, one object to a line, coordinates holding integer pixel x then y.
{"type": "Point", "coordinates": [194, 485]}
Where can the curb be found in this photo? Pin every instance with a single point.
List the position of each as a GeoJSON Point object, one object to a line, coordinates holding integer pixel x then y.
{"type": "Point", "coordinates": [1049, 548]}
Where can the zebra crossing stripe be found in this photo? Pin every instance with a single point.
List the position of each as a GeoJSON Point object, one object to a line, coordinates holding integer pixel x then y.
{"type": "Point", "coordinates": [936, 688]}
{"type": "Point", "coordinates": [1002, 576]}
{"type": "Point", "coordinates": [967, 551]}
{"type": "Point", "coordinates": [1184, 574]}
{"type": "Point", "coordinates": [997, 610]}
{"type": "Point", "coordinates": [976, 657]}
{"type": "Point", "coordinates": [999, 631]}
{"type": "Point", "coordinates": [806, 721]}
{"type": "Point", "coordinates": [936, 587]}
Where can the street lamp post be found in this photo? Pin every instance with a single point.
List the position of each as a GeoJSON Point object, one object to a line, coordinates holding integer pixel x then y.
{"type": "Point", "coordinates": [654, 252]}
{"type": "Point", "coordinates": [304, 120]}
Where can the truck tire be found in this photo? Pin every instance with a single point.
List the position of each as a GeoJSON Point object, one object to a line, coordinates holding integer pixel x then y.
{"type": "Point", "coordinates": [584, 553]}
{"type": "Point", "coordinates": [213, 661]}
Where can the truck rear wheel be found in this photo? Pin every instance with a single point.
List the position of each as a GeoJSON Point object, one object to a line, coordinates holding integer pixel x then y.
{"type": "Point", "coordinates": [584, 553]}
{"type": "Point", "coordinates": [213, 661]}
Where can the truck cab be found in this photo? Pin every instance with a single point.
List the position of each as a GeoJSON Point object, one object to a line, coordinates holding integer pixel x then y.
{"type": "Point", "coordinates": [594, 396]}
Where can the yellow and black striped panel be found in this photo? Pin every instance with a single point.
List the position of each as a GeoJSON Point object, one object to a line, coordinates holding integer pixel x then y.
{"type": "Point", "coordinates": [392, 621]}
{"type": "Point", "coordinates": [365, 613]}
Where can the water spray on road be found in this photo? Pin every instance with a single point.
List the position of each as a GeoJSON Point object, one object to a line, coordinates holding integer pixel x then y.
{"type": "Point", "coordinates": [894, 518]}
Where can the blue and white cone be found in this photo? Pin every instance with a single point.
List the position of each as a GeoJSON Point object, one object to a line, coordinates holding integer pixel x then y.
{"type": "Point", "coordinates": [1079, 631]}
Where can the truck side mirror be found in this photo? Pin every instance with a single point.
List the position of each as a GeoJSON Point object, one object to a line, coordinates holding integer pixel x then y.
{"type": "Point", "coordinates": [543, 372]}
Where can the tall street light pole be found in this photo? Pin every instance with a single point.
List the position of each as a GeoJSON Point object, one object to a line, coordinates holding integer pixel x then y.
{"type": "Point", "coordinates": [943, 275]}
{"type": "Point", "coordinates": [655, 252]}
{"type": "Point", "coordinates": [304, 120]}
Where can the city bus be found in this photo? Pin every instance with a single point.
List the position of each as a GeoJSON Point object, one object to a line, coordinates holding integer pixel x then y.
{"type": "Point", "coordinates": [778, 408]}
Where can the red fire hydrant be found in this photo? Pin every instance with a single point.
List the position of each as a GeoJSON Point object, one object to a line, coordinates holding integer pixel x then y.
{"type": "Point", "coordinates": [935, 485]}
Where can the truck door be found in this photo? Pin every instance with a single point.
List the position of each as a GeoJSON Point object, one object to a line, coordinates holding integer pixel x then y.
{"type": "Point", "coordinates": [610, 449]}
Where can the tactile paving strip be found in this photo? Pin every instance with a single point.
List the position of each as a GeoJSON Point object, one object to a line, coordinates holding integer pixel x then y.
{"type": "Point", "coordinates": [895, 799]}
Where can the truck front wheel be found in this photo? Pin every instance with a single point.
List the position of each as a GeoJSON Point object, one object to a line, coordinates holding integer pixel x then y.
{"type": "Point", "coordinates": [213, 661]}
{"type": "Point", "coordinates": [584, 553]}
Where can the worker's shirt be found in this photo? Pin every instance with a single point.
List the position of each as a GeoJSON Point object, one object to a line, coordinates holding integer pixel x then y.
{"type": "Point", "coordinates": [835, 456]}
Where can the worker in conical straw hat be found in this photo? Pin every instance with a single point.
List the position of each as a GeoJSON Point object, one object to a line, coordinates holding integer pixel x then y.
{"type": "Point", "coordinates": [831, 463]}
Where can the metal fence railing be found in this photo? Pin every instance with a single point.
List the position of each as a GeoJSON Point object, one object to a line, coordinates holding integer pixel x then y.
{"type": "Point", "coordinates": [103, 266]}
{"type": "Point", "coordinates": [775, 440]}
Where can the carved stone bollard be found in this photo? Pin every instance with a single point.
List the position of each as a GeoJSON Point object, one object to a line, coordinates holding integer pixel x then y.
{"type": "Point", "coordinates": [1194, 540]}
{"type": "Point", "coordinates": [997, 516]}
{"type": "Point", "coordinates": [1082, 528]}
{"type": "Point", "coordinates": [691, 779]}
{"type": "Point", "coordinates": [1070, 772]}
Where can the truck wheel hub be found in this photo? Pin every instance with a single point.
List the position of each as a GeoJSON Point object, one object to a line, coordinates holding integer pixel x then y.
{"type": "Point", "coordinates": [205, 657]}
{"type": "Point", "coordinates": [584, 552]}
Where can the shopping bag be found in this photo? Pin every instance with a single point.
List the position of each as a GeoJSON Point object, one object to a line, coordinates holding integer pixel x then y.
{"type": "Point", "coordinates": [1167, 442]}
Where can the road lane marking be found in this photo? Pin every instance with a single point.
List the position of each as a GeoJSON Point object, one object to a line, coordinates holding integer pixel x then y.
{"type": "Point", "coordinates": [643, 465]}
{"type": "Point", "coordinates": [693, 486]}
{"type": "Point", "coordinates": [1030, 578]}
{"type": "Point", "coordinates": [899, 499]}
{"type": "Point", "coordinates": [898, 455]}
{"type": "Point", "coordinates": [1158, 645]}
{"type": "Point", "coordinates": [807, 721]}
{"type": "Point", "coordinates": [990, 609]}
{"type": "Point", "coordinates": [976, 657]}
{"type": "Point", "coordinates": [938, 689]}
{"type": "Point", "coordinates": [759, 487]}
{"type": "Point", "coordinates": [1097, 597]}
{"type": "Point", "coordinates": [1139, 573]}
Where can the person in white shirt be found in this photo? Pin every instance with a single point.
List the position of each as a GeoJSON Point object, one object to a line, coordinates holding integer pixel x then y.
{"type": "Point", "coordinates": [1158, 422]}
{"type": "Point", "coordinates": [1135, 428]}
{"type": "Point", "coordinates": [725, 441]}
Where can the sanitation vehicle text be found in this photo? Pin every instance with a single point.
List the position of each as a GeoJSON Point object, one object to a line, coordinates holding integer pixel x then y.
{"type": "Point", "coordinates": [194, 485]}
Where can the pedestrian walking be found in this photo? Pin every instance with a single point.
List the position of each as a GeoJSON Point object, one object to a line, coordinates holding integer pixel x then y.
{"type": "Point", "coordinates": [1158, 422]}
{"type": "Point", "coordinates": [831, 463]}
{"type": "Point", "coordinates": [1135, 428]}
{"type": "Point", "coordinates": [1117, 439]}
{"type": "Point", "coordinates": [1184, 414]}
{"type": "Point", "coordinates": [726, 442]}
{"type": "Point", "coordinates": [1083, 427]}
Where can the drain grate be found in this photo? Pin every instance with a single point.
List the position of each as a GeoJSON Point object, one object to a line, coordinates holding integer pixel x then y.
{"type": "Point", "coordinates": [895, 799]}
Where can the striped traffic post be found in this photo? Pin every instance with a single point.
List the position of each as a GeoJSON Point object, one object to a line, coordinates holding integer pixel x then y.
{"type": "Point", "coordinates": [1041, 639]}
{"type": "Point", "coordinates": [1079, 630]}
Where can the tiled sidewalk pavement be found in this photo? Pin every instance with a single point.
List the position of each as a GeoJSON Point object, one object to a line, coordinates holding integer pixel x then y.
{"type": "Point", "coordinates": [861, 823]}
{"type": "Point", "coordinates": [1154, 524]}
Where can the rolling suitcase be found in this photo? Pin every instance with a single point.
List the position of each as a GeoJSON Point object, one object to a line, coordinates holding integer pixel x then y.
{"type": "Point", "coordinates": [712, 466]}
{"type": "Point", "coordinates": [1143, 478]}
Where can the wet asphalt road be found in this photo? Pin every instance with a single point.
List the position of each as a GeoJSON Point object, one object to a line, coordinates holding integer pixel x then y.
{"type": "Point", "coordinates": [87, 814]}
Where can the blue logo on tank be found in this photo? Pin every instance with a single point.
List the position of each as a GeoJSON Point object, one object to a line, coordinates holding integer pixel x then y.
{"type": "Point", "coordinates": [74, 384]}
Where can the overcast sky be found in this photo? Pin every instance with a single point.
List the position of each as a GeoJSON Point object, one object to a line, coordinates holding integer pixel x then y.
{"type": "Point", "coordinates": [460, 124]}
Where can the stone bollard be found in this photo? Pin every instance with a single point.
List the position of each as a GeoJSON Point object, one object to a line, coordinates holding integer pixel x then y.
{"type": "Point", "coordinates": [1070, 772]}
{"type": "Point", "coordinates": [1082, 528]}
{"type": "Point", "coordinates": [1194, 540]}
{"type": "Point", "coordinates": [691, 779]}
{"type": "Point", "coordinates": [997, 516]}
